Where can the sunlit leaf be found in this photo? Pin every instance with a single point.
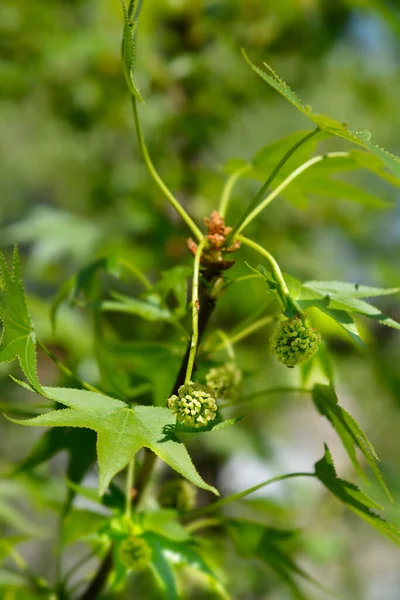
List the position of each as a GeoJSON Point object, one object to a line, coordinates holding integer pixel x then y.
{"type": "Point", "coordinates": [18, 336]}
{"type": "Point", "coordinates": [122, 431]}
{"type": "Point", "coordinates": [325, 123]}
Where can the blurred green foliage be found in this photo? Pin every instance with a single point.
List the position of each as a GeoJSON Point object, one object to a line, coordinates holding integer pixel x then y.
{"type": "Point", "coordinates": [74, 190]}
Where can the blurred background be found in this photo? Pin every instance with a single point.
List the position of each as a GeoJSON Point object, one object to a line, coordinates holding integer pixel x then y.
{"type": "Point", "coordinates": [74, 189]}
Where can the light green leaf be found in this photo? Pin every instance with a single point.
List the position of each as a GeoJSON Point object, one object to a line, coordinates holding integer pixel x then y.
{"type": "Point", "coordinates": [327, 187]}
{"type": "Point", "coordinates": [353, 497]}
{"type": "Point", "coordinates": [344, 297]}
{"type": "Point", "coordinates": [150, 309]}
{"type": "Point", "coordinates": [18, 336]}
{"type": "Point", "coordinates": [7, 544]}
{"type": "Point", "coordinates": [165, 522]}
{"type": "Point", "coordinates": [266, 159]}
{"type": "Point", "coordinates": [81, 525]}
{"type": "Point", "coordinates": [166, 551]}
{"type": "Point", "coordinates": [212, 426]}
{"type": "Point", "coordinates": [348, 290]}
{"type": "Point", "coordinates": [351, 434]}
{"type": "Point", "coordinates": [325, 123]}
{"type": "Point", "coordinates": [121, 432]}
{"type": "Point", "coordinates": [131, 16]}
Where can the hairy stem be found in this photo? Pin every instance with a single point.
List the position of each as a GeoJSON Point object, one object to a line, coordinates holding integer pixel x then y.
{"type": "Point", "coordinates": [244, 219]}
{"type": "Point", "coordinates": [257, 209]}
{"type": "Point", "coordinates": [167, 193]}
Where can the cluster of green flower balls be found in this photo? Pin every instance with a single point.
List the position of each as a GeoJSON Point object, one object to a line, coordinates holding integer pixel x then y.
{"type": "Point", "coordinates": [293, 342]}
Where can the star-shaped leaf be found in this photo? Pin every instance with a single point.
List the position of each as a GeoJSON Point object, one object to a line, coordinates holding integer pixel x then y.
{"type": "Point", "coordinates": [349, 431]}
{"type": "Point", "coordinates": [121, 431]}
{"type": "Point", "coordinates": [18, 336]}
{"type": "Point", "coordinates": [353, 497]}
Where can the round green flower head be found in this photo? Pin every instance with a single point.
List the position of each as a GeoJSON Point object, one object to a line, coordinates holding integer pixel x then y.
{"type": "Point", "coordinates": [179, 494]}
{"type": "Point", "coordinates": [195, 405]}
{"type": "Point", "coordinates": [293, 342]}
{"type": "Point", "coordinates": [134, 553]}
{"type": "Point", "coordinates": [225, 380]}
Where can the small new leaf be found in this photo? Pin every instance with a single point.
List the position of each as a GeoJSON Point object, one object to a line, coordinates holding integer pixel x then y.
{"type": "Point", "coordinates": [18, 336]}
{"type": "Point", "coordinates": [351, 434]}
{"type": "Point", "coordinates": [121, 431]}
{"type": "Point", "coordinates": [348, 493]}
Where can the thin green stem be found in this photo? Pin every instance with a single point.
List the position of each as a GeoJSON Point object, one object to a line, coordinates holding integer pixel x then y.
{"type": "Point", "coordinates": [130, 471]}
{"type": "Point", "coordinates": [65, 369]}
{"type": "Point", "coordinates": [240, 335]}
{"type": "Point", "coordinates": [247, 277]}
{"type": "Point", "coordinates": [283, 290]}
{"type": "Point", "coordinates": [202, 523]}
{"type": "Point", "coordinates": [313, 161]}
{"type": "Point", "coordinates": [239, 225]}
{"type": "Point", "coordinates": [195, 312]}
{"type": "Point", "coordinates": [149, 164]}
{"type": "Point", "coordinates": [228, 187]}
{"type": "Point", "coordinates": [227, 343]}
{"type": "Point", "coordinates": [267, 392]}
{"type": "Point", "coordinates": [234, 497]}
{"type": "Point", "coordinates": [135, 272]}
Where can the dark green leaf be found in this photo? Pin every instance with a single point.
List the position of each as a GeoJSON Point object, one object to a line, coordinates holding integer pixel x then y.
{"type": "Point", "coordinates": [353, 497]}
{"type": "Point", "coordinates": [351, 434]}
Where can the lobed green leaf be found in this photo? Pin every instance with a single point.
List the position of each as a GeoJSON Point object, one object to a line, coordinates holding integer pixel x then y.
{"type": "Point", "coordinates": [121, 432]}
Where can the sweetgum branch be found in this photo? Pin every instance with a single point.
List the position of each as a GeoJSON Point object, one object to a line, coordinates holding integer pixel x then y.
{"type": "Point", "coordinates": [207, 306]}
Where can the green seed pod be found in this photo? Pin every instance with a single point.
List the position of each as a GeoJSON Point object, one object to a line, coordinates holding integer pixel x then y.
{"type": "Point", "coordinates": [194, 406]}
{"type": "Point", "coordinates": [179, 494]}
{"type": "Point", "coordinates": [225, 380]}
{"type": "Point", "coordinates": [293, 342]}
{"type": "Point", "coordinates": [134, 553]}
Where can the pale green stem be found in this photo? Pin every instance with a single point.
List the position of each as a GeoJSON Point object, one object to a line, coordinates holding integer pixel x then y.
{"type": "Point", "coordinates": [66, 370]}
{"type": "Point", "coordinates": [202, 523]}
{"type": "Point", "coordinates": [129, 485]}
{"type": "Point", "coordinates": [239, 225]}
{"type": "Point", "coordinates": [227, 344]}
{"type": "Point", "coordinates": [234, 497]}
{"type": "Point", "coordinates": [135, 272]}
{"type": "Point", "coordinates": [246, 277]}
{"type": "Point", "coordinates": [228, 187]}
{"type": "Point", "coordinates": [240, 335]}
{"type": "Point", "coordinates": [149, 164]}
{"type": "Point", "coordinates": [283, 290]}
{"type": "Point", "coordinates": [313, 161]}
{"type": "Point", "coordinates": [195, 311]}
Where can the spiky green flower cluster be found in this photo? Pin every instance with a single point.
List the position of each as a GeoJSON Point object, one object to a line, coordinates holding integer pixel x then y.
{"type": "Point", "coordinates": [194, 406]}
{"type": "Point", "coordinates": [134, 553]}
{"type": "Point", "coordinates": [179, 494]}
{"type": "Point", "coordinates": [225, 380]}
{"type": "Point", "coordinates": [293, 342]}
